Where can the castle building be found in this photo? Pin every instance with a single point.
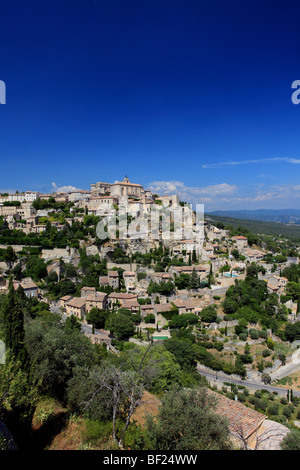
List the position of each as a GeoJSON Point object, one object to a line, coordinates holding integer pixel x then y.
{"type": "Point", "coordinates": [119, 189]}
{"type": "Point", "coordinates": [126, 188]}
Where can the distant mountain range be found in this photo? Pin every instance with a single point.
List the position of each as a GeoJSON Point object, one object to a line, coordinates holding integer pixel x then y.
{"type": "Point", "coordinates": [283, 216]}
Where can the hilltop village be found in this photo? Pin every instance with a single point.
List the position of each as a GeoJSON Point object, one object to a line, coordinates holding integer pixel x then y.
{"type": "Point", "coordinates": [235, 295]}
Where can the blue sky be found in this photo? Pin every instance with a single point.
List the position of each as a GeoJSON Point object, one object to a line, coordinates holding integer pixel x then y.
{"type": "Point", "coordinates": [182, 96]}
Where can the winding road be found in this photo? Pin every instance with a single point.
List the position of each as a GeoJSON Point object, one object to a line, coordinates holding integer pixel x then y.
{"type": "Point", "coordinates": [220, 378]}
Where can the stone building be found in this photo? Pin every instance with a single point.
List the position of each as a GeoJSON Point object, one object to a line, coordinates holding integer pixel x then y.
{"type": "Point", "coordinates": [126, 188]}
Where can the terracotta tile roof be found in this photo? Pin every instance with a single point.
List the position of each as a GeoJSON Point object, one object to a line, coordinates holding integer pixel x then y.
{"type": "Point", "coordinates": [96, 297]}
{"type": "Point", "coordinates": [130, 303]}
{"type": "Point", "coordinates": [189, 268]}
{"type": "Point", "coordinates": [66, 297]}
{"type": "Point", "coordinates": [77, 302]}
{"type": "Point", "coordinates": [113, 274]}
{"type": "Point", "coordinates": [163, 308]}
{"type": "Point", "coordinates": [162, 275]}
{"type": "Point", "coordinates": [25, 285]}
{"type": "Point", "coordinates": [147, 307]}
{"type": "Point", "coordinates": [121, 295]}
{"type": "Point", "coordinates": [187, 303]}
{"type": "Point", "coordinates": [241, 419]}
{"type": "Point", "coordinates": [122, 183]}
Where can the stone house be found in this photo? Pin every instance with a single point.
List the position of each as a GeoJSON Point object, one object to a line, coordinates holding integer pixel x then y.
{"type": "Point", "coordinates": [252, 255]}
{"type": "Point", "coordinates": [77, 307]}
{"type": "Point", "coordinates": [96, 300]}
{"type": "Point", "coordinates": [146, 309]}
{"type": "Point", "coordinates": [101, 337]}
{"type": "Point", "coordinates": [64, 300]}
{"type": "Point", "coordinates": [132, 305]}
{"type": "Point", "coordinates": [113, 279]}
{"type": "Point", "coordinates": [186, 305]}
{"type": "Point", "coordinates": [161, 277]}
{"type": "Point", "coordinates": [201, 270]}
{"type": "Point", "coordinates": [129, 279]}
{"type": "Point", "coordinates": [85, 291]}
{"type": "Point", "coordinates": [126, 188]}
{"type": "Point", "coordinates": [29, 287]}
{"type": "Point", "coordinates": [116, 298]}
{"type": "Point", "coordinates": [277, 284]}
{"type": "Point", "coordinates": [241, 242]}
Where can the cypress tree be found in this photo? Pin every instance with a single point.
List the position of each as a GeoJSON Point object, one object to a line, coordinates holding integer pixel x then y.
{"type": "Point", "coordinates": [13, 320]}
{"type": "Point", "coordinates": [210, 277]}
{"type": "Point", "coordinates": [194, 280]}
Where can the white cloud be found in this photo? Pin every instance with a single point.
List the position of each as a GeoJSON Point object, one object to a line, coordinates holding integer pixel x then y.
{"type": "Point", "coordinates": [294, 161]}
{"type": "Point", "coordinates": [285, 192]}
{"type": "Point", "coordinates": [229, 196]}
{"type": "Point", "coordinates": [63, 189]}
{"type": "Point", "coordinates": [191, 193]}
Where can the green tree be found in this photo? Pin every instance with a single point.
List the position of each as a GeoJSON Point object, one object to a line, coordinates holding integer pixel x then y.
{"type": "Point", "coordinates": [292, 331]}
{"type": "Point", "coordinates": [157, 366]}
{"type": "Point", "coordinates": [107, 392]}
{"type": "Point", "coordinates": [293, 289]}
{"type": "Point", "coordinates": [97, 317]}
{"type": "Point", "coordinates": [13, 324]}
{"type": "Point", "coordinates": [17, 389]}
{"type": "Point", "coordinates": [183, 351]}
{"type": "Point", "coordinates": [195, 281]}
{"type": "Point", "coordinates": [235, 253]}
{"type": "Point", "coordinates": [10, 255]}
{"type": "Point", "coordinates": [239, 367]}
{"type": "Point", "coordinates": [291, 441]}
{"type": "Point", "coordinates": [187, 421]}
{"type": "Point", "coordinates": [56, 349]}
{"type": "Point", "coordinates": [210, 277]}
{"type": "Point", "coordinates": [73, 323]}
{"type": "Point", "coordinates": [209, 314]}
{"type": "Point", "coordinates": [120, 326]}
{"type": "Point", "coordinates": [36, 268]}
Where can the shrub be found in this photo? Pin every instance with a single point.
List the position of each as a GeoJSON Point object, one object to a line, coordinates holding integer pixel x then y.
{"type": "Point", "coordinates": [241, 397]}
{"type": "Point", "coordinates": [266, 353]}
{"type": "Point", "coordinates": [252, 400]}
{"type": "Point", "coordinates": [141, 275]}
{"type": "Point", "coordinates": [243, 336]}
{"type": "Point", "coordinates": [253, 334]}
{"type": "Point", "coordinates": [150, 318]}
{"type": "Point", "coordinates": [287, 412]}
{"type": "Point", "coordinates": [273, 409]}
{"type": "Point", "coordinates": [263, 334]}
{"type": "Point", "coordinates": [261, 404]}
